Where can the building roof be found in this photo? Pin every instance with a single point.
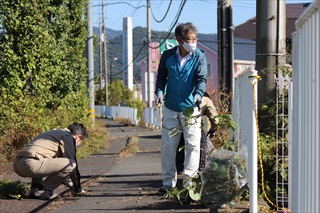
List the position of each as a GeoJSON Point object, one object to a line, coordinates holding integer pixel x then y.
{"type": "Point", "coordinates": [244, 49]}
{"type": "Point", "coordinates": [247, 30]}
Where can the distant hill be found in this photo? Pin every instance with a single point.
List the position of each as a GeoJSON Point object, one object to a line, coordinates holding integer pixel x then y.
{"type": "Point", "coordinates": [114, 46]}
{"type": "Point", "coordinates": [110, 33]}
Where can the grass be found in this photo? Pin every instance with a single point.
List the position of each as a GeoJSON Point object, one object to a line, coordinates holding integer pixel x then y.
{"type": "Point", "coordinates": [130, 148]}
{"type": "Point", "coordinates": [123, 120]}
{"type": "Point", "coordinates": [97, 140]}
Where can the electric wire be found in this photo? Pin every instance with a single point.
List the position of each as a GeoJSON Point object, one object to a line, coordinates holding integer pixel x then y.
{"type": "Point", "coordinates": [133, 59]}
{"type": "Point", "coordinates": [120, 2]}
{"type": "Point", "coordinates": [165, 15]}
{"type": "Point", "coordinates": [182, 4]}
{"type": "Point", "coordinates": [147, 42]}
{"type": "Point", "coordinates": [157, 5]}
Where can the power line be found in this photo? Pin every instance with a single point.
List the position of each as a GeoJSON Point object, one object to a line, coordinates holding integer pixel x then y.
{"type": "Point", "coordinates": [134, 58]}
{"type": "Point", "coordinates": [182, 4]}
{"type": "Point", "coordinates": [165, 15]}
{"type": "Point", "coordinates": [172, 25]}
{"type": "Point", "coordinates": [119, 2]}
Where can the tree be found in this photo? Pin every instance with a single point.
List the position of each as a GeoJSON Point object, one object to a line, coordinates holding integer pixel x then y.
{"type": "Point", "coordinates": [119, 94]}
{"type": "Point", "coordinates": [43, 65]}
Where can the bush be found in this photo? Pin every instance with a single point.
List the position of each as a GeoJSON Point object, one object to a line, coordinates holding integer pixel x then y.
{"type": "Point", "coordinates": [42, 69]}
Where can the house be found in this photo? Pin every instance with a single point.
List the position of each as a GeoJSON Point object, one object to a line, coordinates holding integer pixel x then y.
{"type": "Point", "coordinates": [247, 30]}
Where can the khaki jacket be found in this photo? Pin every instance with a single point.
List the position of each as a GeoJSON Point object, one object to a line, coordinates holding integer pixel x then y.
{"type": "Point", "coordinates": [57, 143]}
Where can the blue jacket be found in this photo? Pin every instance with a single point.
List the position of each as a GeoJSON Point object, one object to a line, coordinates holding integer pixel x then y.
{"type": "Point", "coordinates": [180, 86]}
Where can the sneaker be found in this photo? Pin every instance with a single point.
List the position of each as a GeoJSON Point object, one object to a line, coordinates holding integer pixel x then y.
{"type": "Point", "coordinates": [43, 194]}
{"type": "Point", "coordinates": [35, 186]}
{"type": "Point", "coordinates": [80, 193]}
{"type": "Point", "coordinates": [165, 188]}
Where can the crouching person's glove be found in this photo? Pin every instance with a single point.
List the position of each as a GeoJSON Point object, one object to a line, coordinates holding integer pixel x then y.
{"type": "Point", "coordinates": [79, 192]}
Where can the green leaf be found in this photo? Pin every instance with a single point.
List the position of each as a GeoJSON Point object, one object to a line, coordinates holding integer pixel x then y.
{"type": "Point", "coordinates": [196, 196]}
{"type": "Point", "coordinates": [188, 112]}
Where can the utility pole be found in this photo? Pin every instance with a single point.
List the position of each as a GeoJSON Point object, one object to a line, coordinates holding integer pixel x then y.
{"type": "Point", "coordinates": [100, 54]}
{"type": "Point", "coordinates": [90, 62]}
{"type": "Point", "coordinates": [225, 51]}
{"type": "Point", "coordinates": [270, 52]}
{"type": "Point", "coordinates": [104, 34]}
{"type": "Point", "coordinates": [148, 53]}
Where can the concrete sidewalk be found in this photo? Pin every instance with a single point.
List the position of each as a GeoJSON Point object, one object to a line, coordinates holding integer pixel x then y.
{"type": "Point", "coordinates": [117, 184]}
{"type": "Point", "coordinates": [132, 184]}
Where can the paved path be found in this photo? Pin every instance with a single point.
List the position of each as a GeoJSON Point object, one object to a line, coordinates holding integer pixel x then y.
{"type": "Point", "coordinates": [115, 184]}
{"type": "Point", "coordinates": [132, 184]}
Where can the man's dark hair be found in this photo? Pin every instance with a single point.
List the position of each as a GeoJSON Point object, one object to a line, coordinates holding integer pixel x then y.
{"type": "Point", "coordinates": [183, 29]}
{"type": "Point", "coordinates": [78, 129]}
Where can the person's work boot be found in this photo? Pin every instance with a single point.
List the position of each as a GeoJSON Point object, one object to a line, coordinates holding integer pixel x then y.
{"type": "Point", "coordinates": [164, 189]}
{"type": "Point", "coordinates": [43, 194]}
{"type": "Point", "coordinates": [35, 187]}
{"type": "Point", "coordinates": [80, 193]}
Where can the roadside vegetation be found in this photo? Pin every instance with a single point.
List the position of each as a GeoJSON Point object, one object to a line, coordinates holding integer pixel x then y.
{"type": "Point", "coordinates": [267, 158]}
{"type": "Point", "coordinates": [42, 68]}
{"type": "Point", "coordinates": [43, 83]}
{"type": "Point", "coordinates": [119, 94]}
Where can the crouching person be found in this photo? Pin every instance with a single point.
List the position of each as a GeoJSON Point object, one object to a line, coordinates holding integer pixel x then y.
{"type": "Point", "coordinates": [50, 159]}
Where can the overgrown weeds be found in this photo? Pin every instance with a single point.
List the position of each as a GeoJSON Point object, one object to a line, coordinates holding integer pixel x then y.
{"type": "Point", "coordinates": [13, 189]}
{"type": "Point", "coordinates": [97, 140]}
{"type": "Point", "coordinates": [130, 148]}
{"type": "Point", "coordinates": [122, 120]}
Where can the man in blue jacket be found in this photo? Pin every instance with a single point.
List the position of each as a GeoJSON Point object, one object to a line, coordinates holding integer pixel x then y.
{"type": "Point", "coordinates": [181, 82]}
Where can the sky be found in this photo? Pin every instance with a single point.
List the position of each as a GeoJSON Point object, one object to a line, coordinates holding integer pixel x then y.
{"type": "Point", "coordinates": [202, 13]}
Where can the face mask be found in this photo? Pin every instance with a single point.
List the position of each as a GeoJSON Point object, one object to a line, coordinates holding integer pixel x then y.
{"type": "Point", "coordinates": [189, 47]}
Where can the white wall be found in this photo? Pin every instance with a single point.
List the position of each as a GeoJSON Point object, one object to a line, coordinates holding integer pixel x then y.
{"type": "Point", "coordinates": [305, 165]}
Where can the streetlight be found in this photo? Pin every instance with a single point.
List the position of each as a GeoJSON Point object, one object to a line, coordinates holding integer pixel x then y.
{"type": "Point", "coordinates": [111, 65]}
{"type": "Point", "coordinates": [106, 79]}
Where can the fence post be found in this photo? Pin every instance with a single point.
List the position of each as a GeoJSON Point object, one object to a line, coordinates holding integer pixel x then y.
{"type": "Point", "coordinates": [253, 146]}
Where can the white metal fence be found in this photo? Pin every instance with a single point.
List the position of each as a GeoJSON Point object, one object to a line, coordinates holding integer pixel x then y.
{"type": "Point", "coordinates": [117, 111]}
{"type": "Point", "coordinates": [152, 117]}
{"type": "Point", "coordinates": [305, 164]}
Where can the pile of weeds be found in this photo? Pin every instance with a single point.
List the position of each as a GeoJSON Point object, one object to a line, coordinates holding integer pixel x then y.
{"type": "Point", "coordinates": [13, 189]}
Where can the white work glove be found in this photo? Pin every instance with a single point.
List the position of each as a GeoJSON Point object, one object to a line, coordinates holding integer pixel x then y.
{"type": "Point", "coordinates": [159, 98]}
{"type": "Point", "coordinates": [197, 101]}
